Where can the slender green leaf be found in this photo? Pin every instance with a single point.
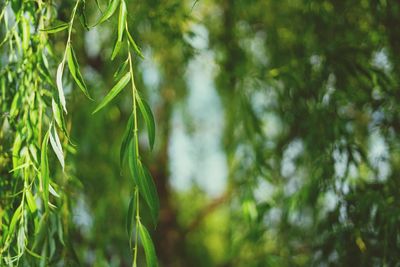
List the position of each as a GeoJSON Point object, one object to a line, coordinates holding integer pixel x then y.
{"type": "Point", "coordinates": [40, 231]}
{"type": "Point", "coordinates": [149, 192]}
{"type": "Point", "coordinates": [116, 48]}
{"type": "Point", "coordinates": [15, 218]}
{"type": "Point", "coordinates": [57, 147]}
{"type": "Point", "coordinates": [133, 159]}
{"type": "Point", "coordinates": [74, 69]}
{"type": "Point", "coordinates": [15, 106]}
{"type": "Point", "coordinates": [112, 7]}
{"type": "Point", "coordinates": [121, 20]}
{"type": "Point", "coordinates": [26, 33]}
{"type": "Point", "coordinates": [44, 170]}
{"type": "Point", "coordinates": [53, 191]}
{"type": "Point", "coordinates": [21, 240]}
{"type": "Point", "coordinates": [148, 118]}
{"type": "Point", "coordinates": [131, 216]}
{"type": "Point", "coordinates": [113, 92]}
{"type": "Point", "coordinates": [82, 14]}
{"type": "Point", "coordinates": [148, 246]}
{"type": "Point", "coordinates": [142, 178]}
{"type": "Point", "coordinates": [61, 96]}
{"type": "Point", "coordinates": [59, 118]}
{"type": "Point", "coordinates": [31, 201]}
{"type": "Point", "coordinates": [57, 28]}
{"type": "Point", "coordinates": [134, 45]}
{"type": "Point", "coordinates": [128, 134]}
{"type": "Point", "coordinates": [121, 69]}
{"type": "Point", "coordinates": [16, 149]}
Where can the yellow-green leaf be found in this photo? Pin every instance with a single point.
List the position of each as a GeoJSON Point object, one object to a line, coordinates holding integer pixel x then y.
{"type": "Point", "coordinates": [31, 201]}
{"type": "Point", "coordinates": [57, 147]}
{"type": "Point", "coordinates": [57, 28]}
{"type": "Point", "coordinates": [116, 48]}
{"type": "Point", "coordinates": [61, 96]}
{"type": "Point", "coordinates": [44, 170]}
{"type": "Point", "coordinates": [121, 20]}
{"type": "Point", "coordinates": [74, 69]}
{"type": "Point", "coordinates": [109, 11]}
{"type": "Point", "coordinates": [134, 45]}
{"type": "Point", "coordinates": [148, 246]}
{"type": "Point", "coordinates": [15, 219]}
{"type": "Point", "coordinates": [113, 92]}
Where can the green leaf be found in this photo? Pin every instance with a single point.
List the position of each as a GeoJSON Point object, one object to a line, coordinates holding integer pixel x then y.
{"type": "Point", "coordinates": [59, 118]}
{"type": "Point", "coordinates": [61, 96]}
{"type": "Point", "coordinates": [16, 149]}
{"type": "Point", "coordinates": [57, 147]}
{"type": "Point", "coordinates": [142, 178]}
{"type": "Point", "coordinates": [40, 231]}
{"type": "Point", "coordinates": [113, 92]}
{"type": "Point", "coordinates": [74, 69]}
{"type": "Point", "coordinates": [116, 48]}
{"type": "Point", "coordinates": [121, 20]}
{"type": "Point", "coordinates": [121, 69]}
{"type": "Point", "coordinates": [109, 11]}
{"type": "Point", "coordinates": [31, 201]}
{"type": "Point", "coordinates": [15, 219]}
{"type": "Point", "coordinates": [148, 118]}
{"type": "Point", "coordinates": [53, 192]}
{"type": "Point", "coordinates": [82, 14]}
{"type": "Point", "coordinates": [57, 28]}
{"type": "Point", "coordinates": [149, 192]}
{"type": "Point", "coordinates": [15, 106]}
{"type": "Point", "coordinates": [148, 246]}
{"type": "Point", "coordinates": [128, 134]}
{"type": "Point", "coordinates": [134, 45]}
{"type": "Point", "coordinates": [133, 159]}
{"type": "Point", "coordinates": [25, 33]}
{"type": "Point", "coordinates": [131, 216]}
{"type": "Point", "coordinates": [44, 170]}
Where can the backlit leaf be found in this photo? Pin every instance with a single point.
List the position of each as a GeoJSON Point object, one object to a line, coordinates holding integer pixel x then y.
{"type": "Point", "coordinates": [148, 246]}
{"type": "Point", "coordinates": [57, 28]}
{"type": "Point", "coordinates": [31, 201]}
{"type": "Point", "coordinates": [121, 20]}
{"type": "Point", "coordinates": [116, 48]}
{"type": "Point", "coordinates": [121, 69]}
{"type": "Point", "coordinates": [58, 117]}
{"type": "Point", "coordinates": [74, 69]}
{"type": "Point", "coordinates": [61, 96]}
{"type": "Point", "coordinates": [15, 219]}
{"type": "Point", "coordinates": [57, 147]}
{"type": "Point", "coordinates": [44, 170]}
{"type": "Point", "coordinates": [109, 11]}
{"type": "Point", "coordinates": [134, 45]}
{"type": "Point", "coordinates": [113, 92]}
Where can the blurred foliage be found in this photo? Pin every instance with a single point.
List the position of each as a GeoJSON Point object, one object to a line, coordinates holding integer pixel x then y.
{"type": "Point", "coordinates": [309, 94]}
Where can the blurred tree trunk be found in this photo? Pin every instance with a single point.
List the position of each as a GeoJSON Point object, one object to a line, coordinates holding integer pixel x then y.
{"type": "Point", "coordinates": [169, 238]}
